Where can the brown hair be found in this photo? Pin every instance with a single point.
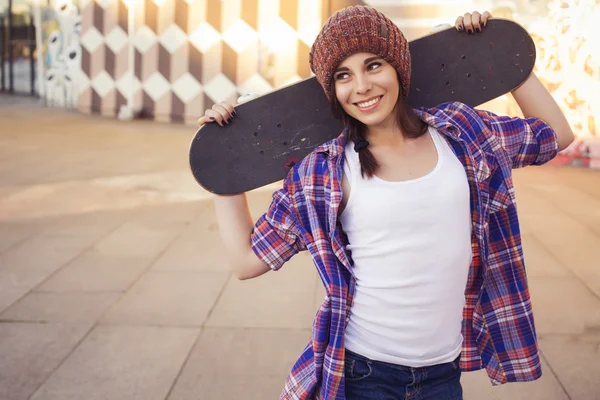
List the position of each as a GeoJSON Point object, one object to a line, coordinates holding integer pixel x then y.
{"type": "Point", "coordinates": [407, 120]}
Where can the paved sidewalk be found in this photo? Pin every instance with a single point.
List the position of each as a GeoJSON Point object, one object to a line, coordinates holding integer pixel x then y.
{"type": "Point", "coordinates": [112, 283]}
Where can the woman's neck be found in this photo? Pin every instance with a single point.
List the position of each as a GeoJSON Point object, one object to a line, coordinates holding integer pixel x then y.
{"type": "Point", "coordinates": [385, 134]}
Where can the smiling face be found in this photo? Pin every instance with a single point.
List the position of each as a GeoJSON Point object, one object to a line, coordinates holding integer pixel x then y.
{"type": "Point", "coordinates": [367, 88]}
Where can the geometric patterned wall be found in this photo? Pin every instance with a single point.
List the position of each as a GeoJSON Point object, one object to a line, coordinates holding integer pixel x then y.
{"type": "Point", "coordinates": [190, 55]}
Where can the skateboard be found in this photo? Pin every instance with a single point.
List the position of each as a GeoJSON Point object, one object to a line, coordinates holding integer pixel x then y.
{"type": "Point", "coordinates": [274, 131]}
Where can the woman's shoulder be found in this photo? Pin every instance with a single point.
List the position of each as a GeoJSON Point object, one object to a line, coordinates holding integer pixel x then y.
{"type": "Point", "coordinates": [450, 109]}
{"type": "Point", "coordinates": [313, 172]}
{"type": "Point", "coordinates": [456, 114]}
{"type": "Point", "coordinates": [317, 160]}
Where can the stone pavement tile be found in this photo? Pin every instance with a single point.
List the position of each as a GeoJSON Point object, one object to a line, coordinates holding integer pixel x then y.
{"type": "Point", "coordinates": [576, 363]}
{"type": "Point", "coordinates": [60, 307]}
{"type": "Point", "coordinates": [563, 306]}
{"type": "Point", "coordinates": [25, 175]}
{"type": "Point", "coordinates": [165, 215]}
{"type": "Point", "coordinates": [576, 203]}
{"type": "Point", "coordinates": [10, 296]}
{"type": "Point", "coordinates": [94, 271]}
{"type": "Point", "coordinates": [6, 190]}
{"type": "Point", "coordinates": [558, 229]}
{"type": "Point", "coordinates": [17, 195]}
{"type": "Point", "coordinates": [539, 261]}
{"type": "Point", "coordinates": [592, 221]}
{"type": "Point", "coordinates": [198, 248]}
{"type": "Point", "coordinates": [136, 240]}
{"type": "Point", "coordinates": [582, 257]}
{"type": "Point", "coordinates": [146, 160]}
{"type": "Point", "coordinates": [16, 280]}
{"type": "Point", "coordinates": [222, 351]}
{"type": "Point", "coordinates": [31, 197]}
{"type": "Point", "coordinates": [240, 363]}
{"type": "Point", "coordinates": [477, 386]}
{"type": "Point", "coordinates": [45, 252]}
{"type": "Point", "coordinates": [127, 156]}
{"type": "Point", "coordinates": [281, 299]}
{"type": "Point", "coordinates": [537, 175]}
{"type": "Point", "coordinates": [121, 363]}
{"type": "Point", "coordinates": [527, 223]}
{"type": "Point", "coordinates": [584, 179]}
{"type": "Point", "coordinates": [30, 352]}
{"type": "Point", "coordinates": [169, 298]}
{"type": "Point", "coordinates": [227, 387]}
{"type": "Point", "coordinates": [573, 244]}
{"type": "Point", "coordinates": [28, 264]}
{"type": "Point", "coordinates": [96, 224]}
{"type": "Point", "coordinates": [594, 283]}
{"type": "Point", "coordinates": [530, 202]}
{"type": "Point", "coordinates": [564, 194]}
{"type": "Point", "coordinates": [561, 195]}
{"type": "Point", "coordinates": [195, 250]}
{"type": "Point", "coordinates": [11, 234]}
{"type": "Point", "coordinates": [15, 277]}
{"type": "Point", "coordinates": [67, 198]}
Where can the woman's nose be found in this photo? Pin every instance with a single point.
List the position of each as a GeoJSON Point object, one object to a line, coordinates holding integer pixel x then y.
{"type": "Point", "coordinates": [362, 84]}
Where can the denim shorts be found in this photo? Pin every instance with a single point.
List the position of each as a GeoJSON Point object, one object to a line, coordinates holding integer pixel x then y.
{"type": "Point", "coordinates": [367, 379]}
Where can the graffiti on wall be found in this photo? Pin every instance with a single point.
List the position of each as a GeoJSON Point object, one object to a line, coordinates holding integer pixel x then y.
{"type": "Point", "coordinates": [568, 63]}
{"type": "Point", "coordinates": [62, 54]}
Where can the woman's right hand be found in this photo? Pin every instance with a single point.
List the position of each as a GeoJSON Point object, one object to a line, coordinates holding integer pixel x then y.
{"type": "Point", "coordinates": [221, 113]}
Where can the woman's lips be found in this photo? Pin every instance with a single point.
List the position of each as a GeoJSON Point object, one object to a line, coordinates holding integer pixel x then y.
{"type": "Point", "coordinates": [369, 105]}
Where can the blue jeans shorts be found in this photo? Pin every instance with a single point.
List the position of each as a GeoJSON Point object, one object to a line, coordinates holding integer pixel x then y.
{"type": "Point", "coordinates": [367, 379]}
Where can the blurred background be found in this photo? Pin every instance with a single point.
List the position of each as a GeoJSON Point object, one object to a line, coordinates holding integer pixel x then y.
{"type": "Point", "coordinates": [188, 54]}
{"type": "Point", "coordinates": [113, 280]}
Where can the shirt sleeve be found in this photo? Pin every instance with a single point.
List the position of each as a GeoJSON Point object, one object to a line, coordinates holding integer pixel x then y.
{"type": "Point", "coordinates": [276, 236]}
{"type": "Point", "coordinates": [528, 141]}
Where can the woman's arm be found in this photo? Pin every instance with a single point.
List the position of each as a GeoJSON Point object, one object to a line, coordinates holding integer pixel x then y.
{"type": "Point", "coordinates": [255, 248]}
{"type": "Point", "coordinates": [235, 226]}
{"type": "Point", "coordinates": [532, 97]}
{"type": "Point", "coordinates": [233, 216]}
{"type": "Point", "coordinates": [535, 101]}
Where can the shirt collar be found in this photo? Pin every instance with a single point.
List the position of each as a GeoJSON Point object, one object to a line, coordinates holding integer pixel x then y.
{"type": "Point", "coordinates": [335, 147]}
{"type": "Point", "coordinates": [443, 123]}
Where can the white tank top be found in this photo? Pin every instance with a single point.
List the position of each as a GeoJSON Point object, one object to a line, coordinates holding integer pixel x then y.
{"type": "Point", "coordinates": [411, 246]}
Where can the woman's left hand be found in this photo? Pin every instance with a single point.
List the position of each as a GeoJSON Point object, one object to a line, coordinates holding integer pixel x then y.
{"type": "Point", "coordinates": [472, 22]}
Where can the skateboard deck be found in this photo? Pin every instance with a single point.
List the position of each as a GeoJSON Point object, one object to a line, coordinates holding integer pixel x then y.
{"type": "Point", "coordinates": [274, 131]}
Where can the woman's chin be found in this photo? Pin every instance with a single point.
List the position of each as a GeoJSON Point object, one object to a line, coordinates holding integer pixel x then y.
{"type": "Point", "coordinates": [369, 120]}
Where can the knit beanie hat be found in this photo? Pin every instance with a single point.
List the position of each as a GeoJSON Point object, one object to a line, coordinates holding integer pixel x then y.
{"type": "Point", "coordinates": [358, 29]}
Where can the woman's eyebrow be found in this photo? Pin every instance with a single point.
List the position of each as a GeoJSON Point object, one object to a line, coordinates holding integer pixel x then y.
{"type": "Point", "coordinates": [368, 60]}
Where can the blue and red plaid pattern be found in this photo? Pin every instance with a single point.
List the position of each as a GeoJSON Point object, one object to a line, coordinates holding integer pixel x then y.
{"type": "Point", "coordinates": [498, 327]}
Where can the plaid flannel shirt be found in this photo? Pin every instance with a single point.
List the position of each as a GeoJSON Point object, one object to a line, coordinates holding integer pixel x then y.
{"type": "Point", "coordinates": [498, 327]}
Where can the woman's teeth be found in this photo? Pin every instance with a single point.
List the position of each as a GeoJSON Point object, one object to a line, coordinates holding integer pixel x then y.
{"type": "Point", "coordinates": [368, 103]}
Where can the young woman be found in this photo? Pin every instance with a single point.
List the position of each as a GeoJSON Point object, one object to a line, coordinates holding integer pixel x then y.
{"type": "Point", "coordinates": [410, 218]}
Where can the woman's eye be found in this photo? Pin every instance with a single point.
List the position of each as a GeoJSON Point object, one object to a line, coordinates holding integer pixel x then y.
{"type": "Point", "coordinates": [341, 76]}
{"type": "Point", "coordinates": [375, 65]}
